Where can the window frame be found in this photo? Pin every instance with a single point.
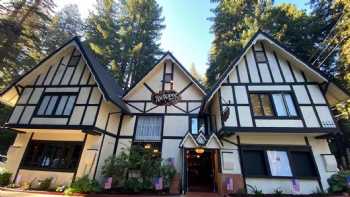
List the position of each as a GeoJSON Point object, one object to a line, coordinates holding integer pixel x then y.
{"type": "Point", "coordinates": [148, 141]}
{"type": "Point", "coordinates": [46, 143]}
{"type": "Point", "coordinates": [273, 105]}
{"type": "Point", "coordinates": [288, 150]}
{"type": "Point", "coordinates": [205, 120]}
{"type": "Point", "coordinates": [60, 96]}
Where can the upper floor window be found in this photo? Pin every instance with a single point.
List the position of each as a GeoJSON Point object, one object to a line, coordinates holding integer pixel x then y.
{"type": "Point", "coordinates": [261, 104]}
{"type": "Point", "coordinates": [276, 104]}
{"type": "Point", "coordinates": [260, 57]}
{"type": "Point", "coordinates": [56, 105]}
{"type": "Point", "coordinates": [148, 128]}
{"type": "Point", "coordinates": [197, 125]}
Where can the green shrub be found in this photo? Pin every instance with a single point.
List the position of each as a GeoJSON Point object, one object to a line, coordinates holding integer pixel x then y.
{"type": "Point", "coordinates": [83, 185]}
{"type": "Point", "coordinates": [337, 182]}
{"type": "Point", "coordinates": [255, 190]}
{"type": "Point", "coordinates": [133, 185]}
{"type": "Point", "coordinates": [4, 177]}
{"type": "Point", "coordinates": [168, 172]}
{"type": "Point", "coordinates": [44, 184]}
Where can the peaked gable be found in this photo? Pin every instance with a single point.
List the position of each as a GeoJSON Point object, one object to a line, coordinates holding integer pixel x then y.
{"type": "Point", "coordinates": [285, 68]}
{"type": "Point", "coordinates": [166, 57]}
{"type": "Point", "coordinates": [110, 90]}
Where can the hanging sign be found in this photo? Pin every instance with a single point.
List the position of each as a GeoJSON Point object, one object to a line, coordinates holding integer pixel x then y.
{"type": "Point", "coordinates": [226, 114]}
{"type": "Point", "coordinates": [166, 97]}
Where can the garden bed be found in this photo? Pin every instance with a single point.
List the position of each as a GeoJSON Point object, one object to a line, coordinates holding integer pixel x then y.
{"type": "Point", "coordinates": [289, 195]}
{"type": "Point", "coordinates": [37, 191]}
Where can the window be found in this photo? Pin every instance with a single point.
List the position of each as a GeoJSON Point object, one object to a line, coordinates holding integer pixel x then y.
{"type": "Point", "coordinates": [254, 163]}
{"type": "Point", "coordinates": [148, 128]}
{"type": "Point", "coordinates": [56, 105]}
{"type": "Point", "coordinates": [279, 163]}
{"type": "Point", "coordinates": [261, 104]}
{"type": "Point", "coordinates": [168, 77]}
{"type": "Point", "coordinates": [283, 105]}
{"type": "Point", "coordinates": [284, 162]}
{"type": "Point", "coordinates": [197, 125]}
{"type": "Point", "coordinates": [303, 165]}
{"type": "Point", "coordinates": [260, 57]}
{"type": "Point", "coordinates": [52, 155]}
{"type": "Point", "coordinates": [74, 60]}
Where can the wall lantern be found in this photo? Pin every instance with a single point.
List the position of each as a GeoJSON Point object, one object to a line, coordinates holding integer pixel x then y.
{"type": "Point", "coordinates": [199, 150]}
{"type": "Point", "coordinates": [147, 146]}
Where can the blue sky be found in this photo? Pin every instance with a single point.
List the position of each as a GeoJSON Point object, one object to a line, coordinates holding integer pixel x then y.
{"type": "Point", "coordinates": [187, 33]}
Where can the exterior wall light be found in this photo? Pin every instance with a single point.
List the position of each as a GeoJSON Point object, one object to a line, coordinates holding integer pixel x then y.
{"type": "Point", "coordinates": [147, 146]}
{"type": "Point", "coordinates": [199, 150]}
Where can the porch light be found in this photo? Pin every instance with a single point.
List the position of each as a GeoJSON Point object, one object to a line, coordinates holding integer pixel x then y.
{"type": "Point", "coordinates": [155, 150]}
{"type": "Point", "coordinates": [147, 146]}
{"type": "Point", "coordinates": [199, 150]}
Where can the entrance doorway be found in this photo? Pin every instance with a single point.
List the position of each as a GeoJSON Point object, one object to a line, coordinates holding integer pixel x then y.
{"type": "Point", "coordinates": [200, 172]}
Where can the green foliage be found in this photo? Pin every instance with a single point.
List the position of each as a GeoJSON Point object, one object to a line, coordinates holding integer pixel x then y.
{"type": "Point", "coordinates": [4, 177]}
{"type": "Point", "coordinates": [124, 35]}
{"type": "Point", "coordinates": [278, 192]}
{"type": "Point", "coordinates": [7, 137]}
{"type": "Point", "coordinates": [235, 22]}
{"type": "Point", "coordinates": [21, 26]}
{"type": "Point", "coordinates": [44, 184]}
{"type": "Point", "coordinates": [65, 24]}
{"type": "Point", "coordinates": [116, 167]}
{"type": "Point", "coordinates": [337, 182]}
{"type": "Point", "coordinates": [168, 172]}
{"type": "Point", "coordinates": [254, 190]}
{"type": "Point", "coordinates": [83, 185]}
{"type": "Point", "coordinates": [136, 171]}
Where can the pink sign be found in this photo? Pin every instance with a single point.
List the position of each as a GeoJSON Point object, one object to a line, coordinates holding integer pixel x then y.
{"type": "Point", "coordinates": [158, 184]}
{"type": "Point", "coordinates": [229, 184]}
{"type": "Point", "coordinates": [295, 186]}
{"type": "Point", "coordinates": [108, 183]}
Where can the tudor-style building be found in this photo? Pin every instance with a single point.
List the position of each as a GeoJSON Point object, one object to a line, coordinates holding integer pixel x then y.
{"type": "Point", "coordinates": [263, 124]}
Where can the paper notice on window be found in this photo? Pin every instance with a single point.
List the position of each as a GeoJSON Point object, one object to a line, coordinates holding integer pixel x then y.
{"type": "Point", "coordinates": [279, 163]}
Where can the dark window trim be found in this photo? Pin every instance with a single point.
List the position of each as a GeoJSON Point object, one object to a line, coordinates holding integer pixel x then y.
{"type": "Point", "coordinates": [288, 149]}
{"type": "Point", "coordinates": [60, 95]}
{"type": "Point", "coordinates": [206, 123]}
{"type": "Point", "coordinates": [72, 143]}
{"type": "Point", "coordinates": [275, 116]}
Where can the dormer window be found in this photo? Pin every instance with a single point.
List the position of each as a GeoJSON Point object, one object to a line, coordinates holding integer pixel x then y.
{"type": "Point", "coordinates": [168, 77]}
{"type": "Point", "coordinates": [56, 105]}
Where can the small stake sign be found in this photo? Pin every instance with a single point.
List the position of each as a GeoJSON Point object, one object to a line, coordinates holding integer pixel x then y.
{"type": "Point", "coordinates": [166, 97]}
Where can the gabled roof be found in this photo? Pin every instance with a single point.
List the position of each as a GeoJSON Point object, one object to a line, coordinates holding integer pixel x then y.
{"type": "Point", "coordinates": [260, 35]}
{"type": "Point", "coordinates": [110, 89]}
{"type": "Point", "coordinates": [169, 55]}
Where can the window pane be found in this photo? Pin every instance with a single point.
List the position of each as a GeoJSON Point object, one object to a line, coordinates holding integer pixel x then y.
{"type": "Point", "coordinates": [279, 163]}
{"type": "Point", "coordinates": [148, 128]}
{"type": "Point", "coordinates": [167, 78]}
{"type": "Point", "coordinates": [254, 99]}
{"type": "Point", "coordinates": [279, 105]}
{"type": "Point", "coordinates": [290, 105]}
{"type": "Point", "coordinates": [254, 163]}
{"type": "Point", "coordinates": [53, 155]}
{"type": "Point", "coordinates": [69, 106]}
{"type": "Point", "coordinates": [266, 103]}
{"type": "Point", "coordinates": [51, 106]}
{"type": "Point", "coordinates": [61, 105]}
{"type": "Point", "coordinates": [43, 105]}
{"type": "Point", "coordinates": [303, 165]}
{"type": "Point", "coordinates": [260, 56]}
{"type": "Point", "coordinates": [74, 61]}
{"type": "Point", "coordinates": [201, 125]}
{"type": "Point", "coordinates": [194, 126]}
